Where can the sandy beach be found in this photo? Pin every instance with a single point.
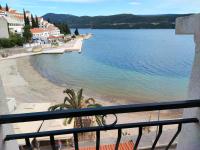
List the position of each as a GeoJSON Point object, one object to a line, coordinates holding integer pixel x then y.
{"type": "Point", "coordinates": [25, 84]}
{"type": "Point", "coordinates": [22, 82]}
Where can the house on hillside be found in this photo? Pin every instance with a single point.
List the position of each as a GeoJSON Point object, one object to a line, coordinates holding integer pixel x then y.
{"type": "Point", "coordinates": [40, 35]}
{"type": "Point", "coordinates": [46, 33]}
{"type": "Point", "coordinates": [14, 19]}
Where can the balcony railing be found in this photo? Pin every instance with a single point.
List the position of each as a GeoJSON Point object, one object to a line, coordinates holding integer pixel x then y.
{"type": "Point", "coordinates": [103, 111]}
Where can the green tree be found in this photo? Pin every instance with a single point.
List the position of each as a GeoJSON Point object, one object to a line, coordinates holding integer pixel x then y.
{"type": "Point", "coordinates": [76, 101]}
{"type": "Point", "coordinates": [7, 8]}
{"type": "Point", "coordinates": [37, 22]}
{"type": "Point", "coordinates": [64, 28]}
{"type": "Point", "coordinates": [17, 39]}
{"type": "Point", "coordinates": [27, 33]}
{"type": "Point", "coordinates": [13, 40]}
{"type": "Point", "coordinates": [33, 22]}
{"type": "Point", "coordinates": [27, 21]}
{"type": "Point", "coordinates": [6, 43]}
{"type": "Point", "coordinates": [67, 29]}
{"type": "Point", "coordinates": [76, 32]}
{"type": "Point", "coordinates": [0, 6]}
{"type": "Point", "coordinates": [24, 17]}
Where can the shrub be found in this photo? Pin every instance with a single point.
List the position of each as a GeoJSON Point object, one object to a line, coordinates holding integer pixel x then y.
{"type": "Point", "coordinates": [14, 40]}
{"type": "Point", "coordinates": [17, 39]}
{"type": "Point", "coordinates": [6, 43]}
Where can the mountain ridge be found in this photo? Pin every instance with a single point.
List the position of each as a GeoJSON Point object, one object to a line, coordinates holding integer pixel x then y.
{"type": "Point", "coordinates": [118, 21]}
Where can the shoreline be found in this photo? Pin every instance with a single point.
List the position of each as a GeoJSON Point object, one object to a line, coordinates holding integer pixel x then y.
{"type": "Point", "coordinates": [28, 85]}
{"type": "Point", "coordinates": [71, 46]}
{"type": "Point", "coordinates": [43, 84]}
{"type": "Point", "coordinates": [22, 82]}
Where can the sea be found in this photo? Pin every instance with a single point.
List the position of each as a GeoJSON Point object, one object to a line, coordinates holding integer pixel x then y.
{"type": "Point", "coordinates": [125, 66]}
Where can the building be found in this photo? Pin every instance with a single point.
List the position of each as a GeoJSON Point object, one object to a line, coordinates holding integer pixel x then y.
{"type": "Point", "coordinates": [14, 19]}
{"type": "Point", "coordinates": [3, 28]}
{"type": "Point", "coordinates": [16, 24]}
{"type": "Point", "coordinates": [45, 32]}
{"type": "Point", "coordinates": [54, 31]}
{"type": "Point", "coordinates": [50, 34]}
{"type": "Point", "coordinates": [40, 33]}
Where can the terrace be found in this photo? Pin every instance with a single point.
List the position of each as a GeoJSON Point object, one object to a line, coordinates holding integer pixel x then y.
{"type": "Point", "coordinates": [188, 126]}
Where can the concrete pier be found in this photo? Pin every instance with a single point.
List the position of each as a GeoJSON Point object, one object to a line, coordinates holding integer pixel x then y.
{"type": "Point", "coordinates": [72, 46]}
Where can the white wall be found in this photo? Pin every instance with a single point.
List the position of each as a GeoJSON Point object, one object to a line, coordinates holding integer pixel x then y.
{"type": "Point", "coordinates": [41, 35]}
{"type": "Point", "coordinates": [190, 135]}
{"type": "Point", "coordinates": [3, 28]}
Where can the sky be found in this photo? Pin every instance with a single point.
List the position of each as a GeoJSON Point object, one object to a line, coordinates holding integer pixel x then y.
{"type": "Point", "coordinates": [105, 7]}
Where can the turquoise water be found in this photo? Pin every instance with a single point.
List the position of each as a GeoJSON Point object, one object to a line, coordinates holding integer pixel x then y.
{"type": "Point", "coordinates": [125, 65]}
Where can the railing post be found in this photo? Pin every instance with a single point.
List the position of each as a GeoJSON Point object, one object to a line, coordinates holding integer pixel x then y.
{"type": "Point", "coordinates": [190, 135]}
{"type": "Point", "coordinates": [5, 129]}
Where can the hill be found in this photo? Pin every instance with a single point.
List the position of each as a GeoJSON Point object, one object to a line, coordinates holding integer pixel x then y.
{"type": "Point", "coordinates": [120, 21]}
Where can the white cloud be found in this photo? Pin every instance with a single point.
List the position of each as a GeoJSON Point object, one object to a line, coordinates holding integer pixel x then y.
{"type": "Point", "coordinates": [73, 1]}
{"type": "Point", "coordinates": [134, 3]}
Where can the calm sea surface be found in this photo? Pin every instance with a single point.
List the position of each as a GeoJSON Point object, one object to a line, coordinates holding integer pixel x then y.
{"type": "Point", "coordinates": [125, 65]}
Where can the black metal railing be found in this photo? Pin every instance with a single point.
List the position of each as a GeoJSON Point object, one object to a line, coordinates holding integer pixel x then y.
{"type": "Point", "coordinates": [103, 111]}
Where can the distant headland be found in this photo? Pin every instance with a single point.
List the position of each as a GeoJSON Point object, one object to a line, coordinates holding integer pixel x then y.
{"type": "Point", "coordinates": [119, 21]}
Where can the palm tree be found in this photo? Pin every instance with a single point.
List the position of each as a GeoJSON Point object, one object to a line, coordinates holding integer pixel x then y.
{"type": "Point", "coordinates": [76, 101]}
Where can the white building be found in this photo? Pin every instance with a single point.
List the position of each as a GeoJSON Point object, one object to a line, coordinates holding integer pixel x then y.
{"type": "Point", "coordinates": [16, 24]}
{"type": "Point", "coordinates": [47, 34]}
{"type": "Point", "coordinates": [54, 31]}
{"type": "Point", "coordinates": [15, 20]}
{"type": "Point", "coordinates": [40, 33]}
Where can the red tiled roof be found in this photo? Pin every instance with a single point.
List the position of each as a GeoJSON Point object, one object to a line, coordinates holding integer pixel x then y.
{"type": "Point", "coordinates": [38, 30]}
{"type": "Point", "coordinates": [52, 28]}
{"type": "Point", "coordinates": [12, 11]}
{"type": "Point", "coordinates": [122, 146]}
{"type": "Point", "coordinates": [55, 37]}
{"type": "Point", "coordinates": [15, 13]}
{"type": "Point", "coordinates": [20, 17]}
{"type": "Point", "coordinates": [3, 8]}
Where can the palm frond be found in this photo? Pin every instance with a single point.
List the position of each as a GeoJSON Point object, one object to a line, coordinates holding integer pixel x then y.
{"type": "Point", "coordinates": [68, 121]}
{"type": "Point", "coordinates": [59, 107]}
{"type": "Point", "coordinates": [76, 101]}
{"type": "Point", "coordinates": [70, 101]}
{"type": "Point", "coordinates": [99, 120]}
{"type": "Point", "coordinates": [71, 96]}
{"type": "Point", "coordinates": [70, 93]}
{"type": "Point", "coordinates": [55, 107]}
{"type": "Point", "coordinates": [79, 97]}
{"type": "Point", "coordinates": [90, 101]}
{"type": "Point", "coordinates": [94, 105]}
{"type": "Point", "coordinates": [66, 99]}
{"type": "Point", "coordinates": [64, 106]}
